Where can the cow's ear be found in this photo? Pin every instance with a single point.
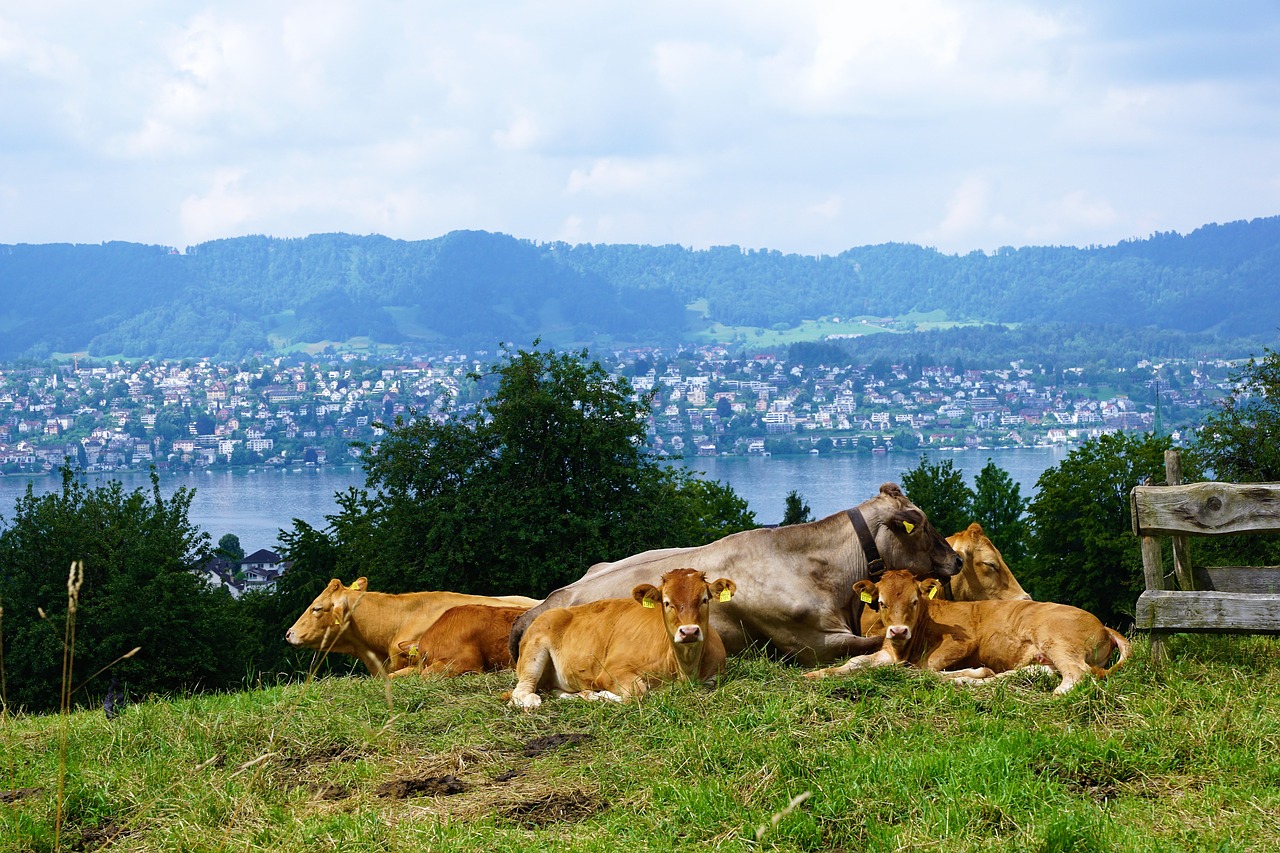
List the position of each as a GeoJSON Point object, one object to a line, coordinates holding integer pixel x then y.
{"type": "Point", "coordinates": [867, 594]}
{"type": "Point", "coordinates": [930, 587]}
{"type": "Point", "coordinates": [334, 585]}
{"type": "Point", "coordinates": [360, 584]}
{"type": "Point", "coordinates": [723, 589]}
{"type": "Point", "coordinates": [907, 521]}
{"type": "Point", "coordinates": [647, 594]}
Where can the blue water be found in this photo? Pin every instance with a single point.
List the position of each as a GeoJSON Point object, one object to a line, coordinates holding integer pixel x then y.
{"type": "Point", "coordinates": [255, 506]}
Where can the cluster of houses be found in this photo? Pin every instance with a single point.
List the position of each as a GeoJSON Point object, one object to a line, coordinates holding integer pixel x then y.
{"type": "Point", "coordinates": [309, 411]}
{"type": "Point", "coordinates": [257, 571]}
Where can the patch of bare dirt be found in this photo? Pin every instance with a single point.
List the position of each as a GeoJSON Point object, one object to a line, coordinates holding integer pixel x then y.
{"type": "Point", "coordinates": [428, 786]}
{"type": "Point", "coordinates": [12, 796]}
{"type": "Point", "coordinates": [555, 807]}
{"type": "Point", "coordinates": [539, 745]}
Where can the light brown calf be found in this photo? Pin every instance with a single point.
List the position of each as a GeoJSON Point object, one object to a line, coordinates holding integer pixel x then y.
{"type": "Point", "coordinates": [351, 620]}
{"type": "Point", "coordinates": [985, 637]}
{"type": "Point", "coordinates": [620, 647]}
{"type": "Point", "coordinates": [983, 575]}
{"type": "Point", "coordinates": [467, 638]}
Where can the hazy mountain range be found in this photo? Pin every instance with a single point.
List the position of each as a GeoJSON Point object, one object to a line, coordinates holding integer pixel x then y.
{"type": "Point", "coordinates": [228, 298]}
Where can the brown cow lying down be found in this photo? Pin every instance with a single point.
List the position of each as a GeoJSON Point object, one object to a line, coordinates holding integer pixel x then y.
{"type": "Point", "coordinates": [371, 625]}
{"type": "Point", "coordinates": [620, 647]}
{"type": "Point", "coordinates": [467, 638]}
{"type": "Point", "coordinates": [987, 637]}
{"type": "Point", "coordinates": [794, 584]}
{"type": "Point", "coordinates": [983, 575]}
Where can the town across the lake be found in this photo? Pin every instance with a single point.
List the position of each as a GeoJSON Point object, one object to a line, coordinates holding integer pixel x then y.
{"type": "Point", "coordinates": [304, 410]}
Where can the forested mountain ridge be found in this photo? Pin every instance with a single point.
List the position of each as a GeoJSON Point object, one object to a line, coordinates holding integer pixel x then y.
{"type": "Point", "coordinates": [230, 297]}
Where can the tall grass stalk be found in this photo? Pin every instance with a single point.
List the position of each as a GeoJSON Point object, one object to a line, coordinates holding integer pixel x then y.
{"type": "Point", "coordinates": [75, 579]}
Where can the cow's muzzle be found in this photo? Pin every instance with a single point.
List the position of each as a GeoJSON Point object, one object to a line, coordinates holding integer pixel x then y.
{"type": "Point", "coordinates": [688, 634]}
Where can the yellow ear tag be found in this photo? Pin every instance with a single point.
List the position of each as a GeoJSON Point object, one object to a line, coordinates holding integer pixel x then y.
{"type": "Point", "coordinates": [413, 651]}
{"type": "Point", "coordinates": [933, 590]}
{"type": "Point", "coordinates": [866, 597]}
{"type": "Point", "coordinates": [355, 586]}
{"type": "Point", "coordinates": [725, 595]}
{"type": "Point", "coordinates": [909, 526]}
{"type": "Point", "coordinates": [647, 603]}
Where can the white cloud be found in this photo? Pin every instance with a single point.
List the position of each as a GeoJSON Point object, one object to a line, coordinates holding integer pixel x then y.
{"type": "Point", "coordinates": [810, 126]}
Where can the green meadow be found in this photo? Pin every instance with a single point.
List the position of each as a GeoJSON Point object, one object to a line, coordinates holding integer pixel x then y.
{"type": "Point", "coordinates": [1184, 758]}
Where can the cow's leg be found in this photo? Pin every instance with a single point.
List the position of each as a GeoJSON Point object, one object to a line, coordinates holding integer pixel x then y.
{"type": "Point", "coordinates": [972, 675]}
{"type": "Point", "coordinates": [1072, 672]}
{"type": "Point", "coordinates": [533, 663]}
{"type": "Point", "coordinates": [880, 658]}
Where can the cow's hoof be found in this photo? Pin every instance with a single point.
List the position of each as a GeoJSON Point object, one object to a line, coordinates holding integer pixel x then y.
{"type": "Point", "coordinates": [817, 673]}
{"type": "Point", "coordinates": [528, 702]}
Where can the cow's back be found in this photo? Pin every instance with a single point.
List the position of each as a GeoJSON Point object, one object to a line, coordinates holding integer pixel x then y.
{"type": "Point", "coordinates": [787, 574]}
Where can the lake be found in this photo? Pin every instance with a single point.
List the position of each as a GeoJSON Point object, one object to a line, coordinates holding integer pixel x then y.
{"type": "Point", "coordinates": [254, 506]}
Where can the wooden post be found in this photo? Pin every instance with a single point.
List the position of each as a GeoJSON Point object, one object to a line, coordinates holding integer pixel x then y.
{"type": "Point", "coordinates": [1182, 569]}
{"type": "Point", "coordinates": [1153, 573]}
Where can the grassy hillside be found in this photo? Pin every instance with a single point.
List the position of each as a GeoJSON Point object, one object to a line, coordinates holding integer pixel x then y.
{"type": "Point", "coordinates": [887, 760]}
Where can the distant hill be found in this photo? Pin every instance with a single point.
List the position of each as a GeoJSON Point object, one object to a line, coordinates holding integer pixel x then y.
{"type": "Point", "coordinates": [467, 289]}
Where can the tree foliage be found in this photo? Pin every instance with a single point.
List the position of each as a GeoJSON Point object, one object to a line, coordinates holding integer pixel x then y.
{"type": "Point", "coordinates": [940, 490]}
{"type": "Point", "coordinates": [795, 511]}
{"type": "Point", "coordinates": [1240, 442]}
{"type": "Point", "coordinates": [999, 507]}
{"type": "Point", "coordinates": [545, 476]}
{"type": "Point", "coordinates": [139, 589]}
{"type": "Point", "coordinates": [1083, 551]}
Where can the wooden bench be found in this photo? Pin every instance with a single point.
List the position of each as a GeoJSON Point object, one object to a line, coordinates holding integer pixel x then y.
{"type": "Point", "coordinates": [1221, 599]}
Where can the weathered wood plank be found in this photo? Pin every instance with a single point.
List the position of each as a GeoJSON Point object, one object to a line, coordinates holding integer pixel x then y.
{"type": "Point", "coordinates": [1182, 569]}
{"type": "Point", "coordinates": [1255, 579]}
{"type": "Point", "coordinates": [1208, 612]}
{"type": "Point", "coordinates": [1205, 509]}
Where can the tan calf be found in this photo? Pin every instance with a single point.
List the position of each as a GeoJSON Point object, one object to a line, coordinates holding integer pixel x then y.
{"type": "Point", "coordinates": [973, 640]}
{"type": "Point", "coordinates": [983, 575]}
{"type": "Point", "coordinates": [467, 638]}
{"type": "Point", "coordinates": [620, 647]}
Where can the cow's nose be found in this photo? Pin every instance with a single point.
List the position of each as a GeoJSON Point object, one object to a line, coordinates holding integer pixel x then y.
{"type": "Point", "coordinates": [899, 632]}
{"type": "Point", "coordinates": [688, 633]}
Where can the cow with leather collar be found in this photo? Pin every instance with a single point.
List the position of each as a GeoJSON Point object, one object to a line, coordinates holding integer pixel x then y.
{"type": "Point", "coordinates": [794, 584]}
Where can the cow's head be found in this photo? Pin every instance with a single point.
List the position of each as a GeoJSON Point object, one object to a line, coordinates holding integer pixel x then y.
{"type": "Point", "coordinates": [985, 573]}
{"type": "Point", "coordinates": [323, 622]}
{"type": "Point", "coordinates": [905, 537]}
{"type": "Point", "coordinates": [685, 597]}
{"type": "Point", "coordinates": [901, 601]}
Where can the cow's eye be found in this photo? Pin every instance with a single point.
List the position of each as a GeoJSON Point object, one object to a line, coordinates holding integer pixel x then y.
{"type": "Point", "coordinates": [991, 567]}
{"type": "Point", "coordinates": [317, 610]}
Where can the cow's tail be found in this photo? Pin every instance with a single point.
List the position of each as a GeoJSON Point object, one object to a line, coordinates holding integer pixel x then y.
{"type": "Point", "coordinates": [1124, 648]}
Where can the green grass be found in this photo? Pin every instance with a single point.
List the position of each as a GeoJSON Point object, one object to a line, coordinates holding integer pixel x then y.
{"type": "Point", "coordinates": [1180, 759]}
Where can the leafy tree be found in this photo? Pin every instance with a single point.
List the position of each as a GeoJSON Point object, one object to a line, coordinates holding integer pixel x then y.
{"type": "Point", "coordinates": [229, 548]}
{"type": "Point", "coordinates": [546, 476]}
{"type": "Point", "coordinates": [1082, 548]}
{"type": "Point", "coordinates": [999, 507]}
{"type": "Point", "coordinates": [1240, 442]}
{"type": "Point", "coordinates": [139, 589]}
{"type": "Point", "coordinates": [796, 511]}
{"type": "Point", "coordinates": [940, 490]}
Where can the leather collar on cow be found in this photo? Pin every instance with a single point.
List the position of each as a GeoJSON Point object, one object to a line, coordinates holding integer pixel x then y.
{"type": "Point", "coordinates": [875, 564]}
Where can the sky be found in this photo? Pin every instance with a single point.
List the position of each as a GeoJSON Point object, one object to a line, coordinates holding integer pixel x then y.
{"type": "Point", "coordinates": [805, 126]}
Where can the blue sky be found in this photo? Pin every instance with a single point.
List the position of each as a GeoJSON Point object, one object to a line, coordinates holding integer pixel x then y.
{"type": "Point", "coordinates": [800, 126]}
